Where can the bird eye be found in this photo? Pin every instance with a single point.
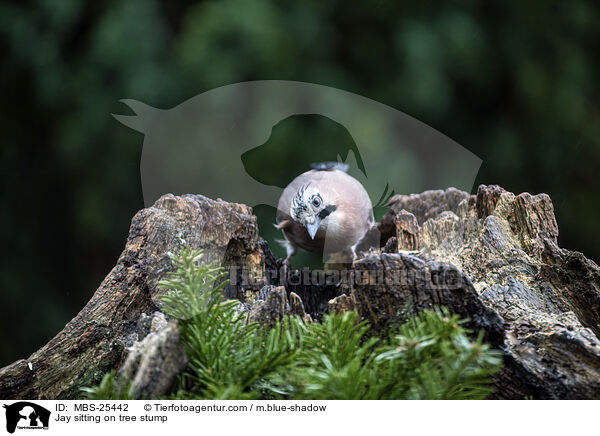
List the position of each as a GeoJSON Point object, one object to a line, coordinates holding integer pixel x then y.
{"type": "Point", "coordinates": [316, 202]}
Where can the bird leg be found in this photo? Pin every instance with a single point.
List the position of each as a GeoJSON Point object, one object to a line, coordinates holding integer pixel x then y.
{"type": "Point", "coordinates": [290, 252]}
{"type": "Point", "coordinates": [354, 256]}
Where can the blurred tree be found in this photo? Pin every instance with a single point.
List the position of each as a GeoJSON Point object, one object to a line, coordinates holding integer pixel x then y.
{"type": "Point", "coordinates": [514, 82]}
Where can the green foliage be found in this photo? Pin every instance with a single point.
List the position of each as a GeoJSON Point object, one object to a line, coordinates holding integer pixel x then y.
{"type": "Point", "coordinates": [435, 358]}
{"type": "Point", "coordinates": [226, 354]}
{"type": "Point", "coordinates": [430, 357]}
{"type": "Point", "coordinates": [334, 362]}
{"type": "Point", "coordinates": [191, 286]}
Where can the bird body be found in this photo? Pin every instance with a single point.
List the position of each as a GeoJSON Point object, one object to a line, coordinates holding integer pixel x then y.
{"type": "Point", "coordinates": [324, 211]}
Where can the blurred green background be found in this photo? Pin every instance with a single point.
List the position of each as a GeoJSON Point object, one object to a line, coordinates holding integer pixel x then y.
{"type": "Point", "coordinates": [514, 82]}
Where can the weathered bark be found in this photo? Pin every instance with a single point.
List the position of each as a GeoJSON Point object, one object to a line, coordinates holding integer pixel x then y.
{"type": "Point", "coordinates": [153, 364]}
{"type": "Point", "coordinates": [272, 304]}
{"type": "Point", "coordinates": [494, 258]}
{"type": "Point", "coordinates": [120, 312]}
{"type": "Point", "coordinates": [491, 257]}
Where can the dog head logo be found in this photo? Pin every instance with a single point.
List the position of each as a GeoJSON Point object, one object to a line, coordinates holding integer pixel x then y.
{"type": "Point", "coordinates": [26, 415]}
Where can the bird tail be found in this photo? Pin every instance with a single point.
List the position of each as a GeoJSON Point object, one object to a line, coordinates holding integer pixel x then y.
{"type": "Point", "coordinates": [385, 197]}
{"type": "Point", "coordinates": [283, 242]}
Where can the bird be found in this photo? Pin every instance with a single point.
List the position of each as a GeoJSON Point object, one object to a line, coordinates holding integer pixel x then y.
{"type": "Point", "coordinates": [324, 210]}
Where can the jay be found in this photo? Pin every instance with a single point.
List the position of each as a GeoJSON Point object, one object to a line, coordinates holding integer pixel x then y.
{"type": "Point", "coordinates": [324, 211]}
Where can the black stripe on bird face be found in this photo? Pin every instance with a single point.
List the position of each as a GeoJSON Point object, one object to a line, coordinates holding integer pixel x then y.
{"type": "Point", "coordinates": [327, 211]}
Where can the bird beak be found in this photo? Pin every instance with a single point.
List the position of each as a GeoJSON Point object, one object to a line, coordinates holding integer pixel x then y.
{"type": "Point", "coordinates": [312, 228]}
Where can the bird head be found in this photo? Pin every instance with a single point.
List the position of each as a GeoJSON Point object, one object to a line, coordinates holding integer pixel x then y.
{"type": "Point", "coordinates": [310, 208]}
